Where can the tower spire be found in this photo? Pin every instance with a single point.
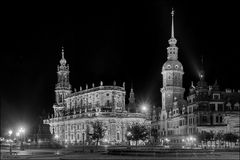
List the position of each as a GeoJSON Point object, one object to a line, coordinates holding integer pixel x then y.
{"type": "Point", "coordinates": [62, 52]}
{"type": "Point", "coordinates": [202, 73]}
{"type": "Point", "coordinates": [172, 49]}
{"type": "Point", "coordinates": [131, 97]}
{"type": "Point", "coordinates": [63, 60]}
{"type": "Point", "coordinates": [131, 86]}
{"type": "Point", "coordinates": [172, 33]}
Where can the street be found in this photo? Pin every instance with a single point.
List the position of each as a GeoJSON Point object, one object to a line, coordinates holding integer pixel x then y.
{"type": "Point", "coordinates": [64, 154]}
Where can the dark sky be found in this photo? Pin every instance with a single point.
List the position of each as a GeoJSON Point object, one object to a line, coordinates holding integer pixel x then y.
{"type": "Point", "coordinates": [122, 41]}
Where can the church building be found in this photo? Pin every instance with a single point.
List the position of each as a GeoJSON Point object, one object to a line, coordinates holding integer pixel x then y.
{"type": "Point", "coordinates": [74, 112]}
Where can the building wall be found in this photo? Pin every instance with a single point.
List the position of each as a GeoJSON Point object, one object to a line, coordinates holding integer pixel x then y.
{"type": "Point", "coordinates": [71, 131]}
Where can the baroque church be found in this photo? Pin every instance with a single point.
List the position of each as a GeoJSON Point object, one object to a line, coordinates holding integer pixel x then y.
{"type": "Point", "coordinates": [74, 112]}
{"type": "Point", "coordinates": [207, 108]}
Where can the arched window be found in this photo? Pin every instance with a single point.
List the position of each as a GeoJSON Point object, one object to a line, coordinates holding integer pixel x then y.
{"type": "Point", "coordinates": [236, 106]}
{"type": "Point", "coordinates": [220, 119]}
{"type": "Point", "coordinates": [118, 137]}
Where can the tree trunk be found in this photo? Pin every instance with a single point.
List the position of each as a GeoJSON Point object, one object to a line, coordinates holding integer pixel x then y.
{"type": "Point", "coordinates": [97, 144]}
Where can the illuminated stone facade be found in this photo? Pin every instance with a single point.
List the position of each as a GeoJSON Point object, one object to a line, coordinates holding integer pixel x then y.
{"type": "Point", "coordinates": [207, 108]}
{"type": "Point", "coordinates": [74, 112]}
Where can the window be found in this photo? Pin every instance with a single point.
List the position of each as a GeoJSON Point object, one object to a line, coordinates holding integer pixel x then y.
{"type": "Point", "coordinates": [71, 136]}
{"type": "Point", "coordinates": [204, 118]}
{"type": "Point", "coordinates": [118, 137]}
{"type": "Point", "coordinates": [107, 94]}
{"type": "Point", "coordinates": [212, 107]}
{"type": "Point", "coordinates": [216, 119]}
{"type": "Point", "coordinates": [77, 136]}
{"type": "Point", "coordinates": [168, 66]}
{"type": "Point", "coordinates": [220, 107]}
{"type": "Point", "coordinates": [216, 96]}
{"type": "Point", "coordinates": [176, 66]}
{"type": "Point", "coordinates": [71, 127]}
{"type": "Point", "coordinates": [220, 119]}
{"type": "Point", "coordinates": [236, 106]}
{"type": "Point", "coordinates": [83, 126]}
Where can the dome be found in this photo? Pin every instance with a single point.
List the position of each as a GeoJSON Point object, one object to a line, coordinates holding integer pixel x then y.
{"type": "Point", "coordinates": [172, 65]}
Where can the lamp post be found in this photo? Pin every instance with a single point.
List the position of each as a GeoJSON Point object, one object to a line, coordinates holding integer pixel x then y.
{"type": "Point", "coordinates": [10, 141]}
{"type": "Point", "coordinates": [56, 138]}
{"type": "Point", "coordinates": [22, 133]}
{"type": "Point", "coordinates": [129, 134]}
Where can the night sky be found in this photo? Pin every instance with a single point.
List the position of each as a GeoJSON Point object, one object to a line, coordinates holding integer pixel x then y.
{"type": "Point", "coordinates": [122, 41]}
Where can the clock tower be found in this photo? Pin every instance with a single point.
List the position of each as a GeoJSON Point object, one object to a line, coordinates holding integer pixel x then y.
{"type": "Point", "coordinates": [172, 72]}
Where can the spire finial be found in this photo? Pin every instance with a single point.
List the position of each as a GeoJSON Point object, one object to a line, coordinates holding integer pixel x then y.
{"type": "Point", "coordinates": [62, 52]}
{"type": "Point", "coordinates": [172, 33]}
{"type": "Point", "coordinates": [63, 60]}
{"type": "Point", "coordinates": [131, 86]}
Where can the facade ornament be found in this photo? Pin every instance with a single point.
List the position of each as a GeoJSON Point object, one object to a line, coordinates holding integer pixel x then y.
{"type": "Point", "coordinates": [101, 83]}
{"type": "Point", "coordinates": [114, 83]}
{"type": "Point", "coordinates": [80, 88]}
{"type": "Point", "coordinates": [86, 86]}
{"type": "Point", "coordinates": [93, 85]}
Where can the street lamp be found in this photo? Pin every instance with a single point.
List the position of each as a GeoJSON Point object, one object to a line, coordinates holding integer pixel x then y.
{"type": "Point", "coordinates": [191, 140]}
{"type": "Point", "coordinates": [22, 132]}
{"type": "Point", "coordinates": [129, 134]}
{"type": "Point", "coordinates": [10, 132]}
{"type": "Point", "coordinates": [10, 141]}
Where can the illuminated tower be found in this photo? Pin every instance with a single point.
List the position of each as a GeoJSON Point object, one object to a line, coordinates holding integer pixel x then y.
{"type": "Point", "coordinates": [131, 105]}
{"type": "Point", "coordinates": [63, 87]}
{"type": "Point", "coordinates": [172, 72]}
{"type": "Point", "coordinates": [131, 97]}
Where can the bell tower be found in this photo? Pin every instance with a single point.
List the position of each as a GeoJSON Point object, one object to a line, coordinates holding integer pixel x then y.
{"type": "Point", "coordinates": [63, 86]}
{"type": "Point", "coordinates": [172, 72]}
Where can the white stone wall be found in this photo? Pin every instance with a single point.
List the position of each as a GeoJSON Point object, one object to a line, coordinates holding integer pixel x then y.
{"type": "Point", "coordinates": [72, 131]}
